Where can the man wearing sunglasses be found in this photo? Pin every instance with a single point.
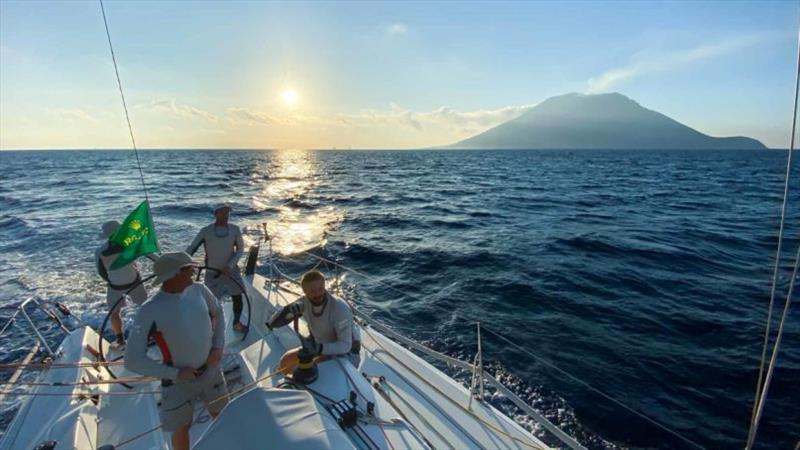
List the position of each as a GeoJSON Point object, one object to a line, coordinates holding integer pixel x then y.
{"type": "Point", "coordinates": [185, 320]}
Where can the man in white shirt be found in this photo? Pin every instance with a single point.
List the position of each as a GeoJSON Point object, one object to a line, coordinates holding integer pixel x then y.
{"type": "Point", "coordinates": [224, 247]}
{"type": "Point", "coordinates": [329, 319]}
{"type": "Point", "coordinates": [185, 320]}
{"type": "Point", "coordinates": [119, 280]}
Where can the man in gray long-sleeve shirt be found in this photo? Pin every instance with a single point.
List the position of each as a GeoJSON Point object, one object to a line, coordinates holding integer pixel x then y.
{"type": "Point", "coordinates": [329, 319]}
{"type": "Point", "coordinates": [224, 246]}
{"type": "Point", "coordinates": [122, 282]}
{"type": "Point", "coordinates": [185, 320]}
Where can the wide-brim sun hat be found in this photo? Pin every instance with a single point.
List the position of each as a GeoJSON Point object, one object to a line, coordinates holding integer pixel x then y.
{"type": "Point", "coordinates": [109, 228]}
{"type": "Point", "coordinates": [169, 264]}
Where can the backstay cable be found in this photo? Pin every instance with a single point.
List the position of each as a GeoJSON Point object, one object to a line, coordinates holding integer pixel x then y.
{"type": "Point", "coordinates": [124, 104]}
{"type": "Point", "coordinates": [763, 384]}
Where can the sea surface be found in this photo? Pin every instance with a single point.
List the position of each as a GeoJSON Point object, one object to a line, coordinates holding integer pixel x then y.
{"type": "Point", "coordinates": [646, 274]}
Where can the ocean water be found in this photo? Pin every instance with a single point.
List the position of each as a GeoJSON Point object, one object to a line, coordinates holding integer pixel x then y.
{"type": "Point", "coordinates": [646, 274]}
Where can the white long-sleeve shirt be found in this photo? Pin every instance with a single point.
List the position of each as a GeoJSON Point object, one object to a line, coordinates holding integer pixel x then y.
{"type": "Point", "coordinates": [190, 324]}
{"type": "Point", "coordinates": [331, 324]}
{"type": "Point", "coordinates": [224, 245]}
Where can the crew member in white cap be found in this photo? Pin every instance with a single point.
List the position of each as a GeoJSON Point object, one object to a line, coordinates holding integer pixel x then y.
{"type": "Point", "coordinates": [185, 320]}
{"type": "Point", "coordinates": [224, 247]}
{"type": "Point", "coordinates": [119, 280]}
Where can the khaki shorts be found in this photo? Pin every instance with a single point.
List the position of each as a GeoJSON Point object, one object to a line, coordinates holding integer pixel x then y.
{"type": "Point", "coordinates": [222, 284]}
{"type": "Point", "coordinates": [176, 408]}
{"type": "Point", "coordinates": [138, 295]}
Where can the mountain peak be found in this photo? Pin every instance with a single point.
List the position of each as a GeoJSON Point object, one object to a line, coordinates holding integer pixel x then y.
{"type": "Point", "coordinates": [601, 121]}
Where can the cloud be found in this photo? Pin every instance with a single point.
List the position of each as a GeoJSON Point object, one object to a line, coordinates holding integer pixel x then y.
{"type": "Point", "coordinates": [457, 122]}
{"type": "Point", "coordinates": [396, 116]}
{"type": "Point", "coordinates": [170, 107]}
{"type": "Point", "coordinates": [246, 116]}
{"type": "Point", "coordinates": [648, 62]}
{"type": "Point", "coordinates": [481, 118]}
{"type": "Point", "coordinates": [393, 125]}
{"type": "Point", "coordinates": [72, 114]}
{"type": "Point", "coordinates": [396, 28]}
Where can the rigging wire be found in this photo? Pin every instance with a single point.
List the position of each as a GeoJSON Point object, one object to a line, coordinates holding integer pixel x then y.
{"type": "Point", "coordinates": [776, 347]}
{"type": "Point", "coordinates": [763, 383]}
{"type": "Point", "coordinates": [590, 387]}
{"type": "Point", "coordinates": [39, 366]}
{"type": "Point", "coordinates": [76, 395]}
{"type": "Point", "coordinates": [443, 395]}
{"type": "Point", "coordinates": [385, 394]}
{"type": "Point", "coordinates": [80, 383]}
{"type": "Point", "coordinates": [124, 104]}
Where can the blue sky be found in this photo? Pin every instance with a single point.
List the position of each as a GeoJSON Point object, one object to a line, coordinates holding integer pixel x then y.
{"type": "Point", "coordinates": [380, 75]}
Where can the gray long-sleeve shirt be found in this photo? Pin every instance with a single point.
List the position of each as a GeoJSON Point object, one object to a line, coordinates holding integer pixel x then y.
{"type": "Point", "coordinates": [190, 324]}
{"type": "Point", "coordinates": [108, 253]}
{"type": "Point", "coordinates": [224, 246]}
{"type": "Point", "coordinates": [331, 324]}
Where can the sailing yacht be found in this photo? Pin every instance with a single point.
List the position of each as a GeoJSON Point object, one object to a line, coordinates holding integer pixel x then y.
{"type": "Point", "coordinates": [84, 398]}
{"type": "Point", "coordinates": [396, 398]}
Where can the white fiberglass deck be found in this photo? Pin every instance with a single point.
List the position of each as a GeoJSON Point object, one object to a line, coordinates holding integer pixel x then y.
{"type": "Point", "coordinates": [416, 406]}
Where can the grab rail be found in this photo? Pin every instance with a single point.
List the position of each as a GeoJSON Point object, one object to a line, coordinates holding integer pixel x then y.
{"type": "Point", "coordinates": [566, 439]}
{"type": "Point", "coordinates": [42, 340]}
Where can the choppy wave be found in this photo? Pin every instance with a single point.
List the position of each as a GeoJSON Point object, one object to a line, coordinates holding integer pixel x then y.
{"type": "Point", "coordinates": [644, 273]}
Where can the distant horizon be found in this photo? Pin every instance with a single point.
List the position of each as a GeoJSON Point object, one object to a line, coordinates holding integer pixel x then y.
{"type": "Point", "coordinates": [150, 149]}
{"type": "Point", "coordinates": [379, 75]}
{"type": "Point", "coordinates": [639, 109]}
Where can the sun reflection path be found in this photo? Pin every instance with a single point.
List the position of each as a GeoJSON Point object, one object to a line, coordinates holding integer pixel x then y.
{"type": "Point", "coordinates": [298, 224]}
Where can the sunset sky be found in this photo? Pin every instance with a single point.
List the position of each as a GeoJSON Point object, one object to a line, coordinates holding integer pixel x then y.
{"type": "Point", "coordinates": [380, 75]}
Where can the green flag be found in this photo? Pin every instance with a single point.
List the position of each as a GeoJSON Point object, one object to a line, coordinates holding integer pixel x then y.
{"type": "Point", "coordinates": [136, 235]}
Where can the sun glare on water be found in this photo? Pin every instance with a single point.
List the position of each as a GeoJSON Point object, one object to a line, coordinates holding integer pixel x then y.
{"type": "Point", "coordinates": [289, 97]}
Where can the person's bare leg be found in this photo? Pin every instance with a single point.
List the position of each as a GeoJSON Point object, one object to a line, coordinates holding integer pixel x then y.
{"type": "Point", "coordinates": [116, 326]}
{"type": "Point", "coordinates": [180, 438]}
{"type": "Point", "coordinates": [116, 322]}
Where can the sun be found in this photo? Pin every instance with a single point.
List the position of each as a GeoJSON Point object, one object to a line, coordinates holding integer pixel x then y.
{"type": "Point", "coordinates": [289, 97]}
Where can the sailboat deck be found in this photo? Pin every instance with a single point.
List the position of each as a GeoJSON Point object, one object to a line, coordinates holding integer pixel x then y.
{"type": "Point", "coordinates": [403, 401]}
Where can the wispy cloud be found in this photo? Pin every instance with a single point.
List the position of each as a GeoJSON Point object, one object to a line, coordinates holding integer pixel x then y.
{"type": "Point", "coordinates": [458, 123]}
{"type": "Point", "coordinates": [396, 28]}
{"type": "Point", "coordinates": [650, 61]}
{"type": "Point", "coordinates": [171, 107]}
{"type": "Point", "coordinates": [395, 116]}
{"type": "Point", "coordinates": [72, 114]}
{"type": "Point", "coordinates": [249, 116]}
{"type": "Point", "coordinates": [479, 119]}
{"type": "Point", "coordinates": [443, 119]}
